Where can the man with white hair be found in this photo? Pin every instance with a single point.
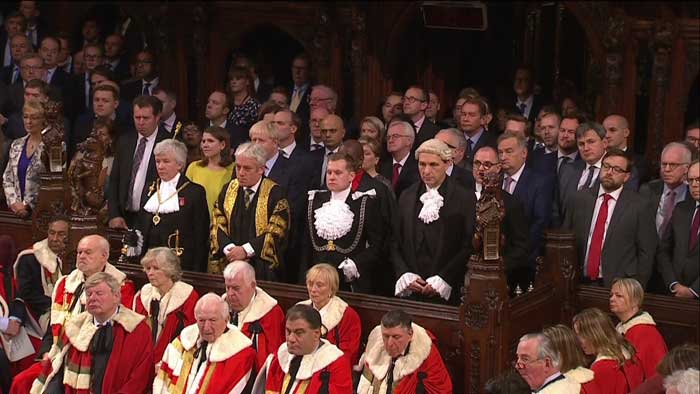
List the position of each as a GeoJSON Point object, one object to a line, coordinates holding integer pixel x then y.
{"type": "Point", "coordinates": [68, 298]}
{"type": "Point", "coordinates": [176, 213]}
{"type": "Point", "coordinates": [402, 169]}
{"type": "Point", "coordinates": [538, 362]}
{"type": "Point", "coordinates": [209, 357]}
{"type": "Point", "coordinates": [253, 311]}
{"type": "Point", "coordinates": [251, 216]}
{"type": "Point", "coordinates": [105, 349]}
{"type": "Point", "coordinates": [683, 382]}
{"type": "Point", "coordinates": [433, 245]}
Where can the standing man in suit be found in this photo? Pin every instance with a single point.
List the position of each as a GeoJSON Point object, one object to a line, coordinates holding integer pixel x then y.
{"type": "Point", "coordinates": [453, 138]}
{"type": "Point", "coordinates": [584, 174]}
{"type": "Point", "coordinates": [36, 29]}
{"type": "Point", "coordinates": [81, 90]}
{"type": "Point", "coordinates": [472, 123]}
{"type": "Point", "coordinates": [678, 251]}
{"type": "Point", "coordinates": [55, 76]}
{"type": "Point", "coordinates": [391, 106]}
{"type": "Point", "coordinates": [19, 47]}
{"type": "Point", "coordinates": [617, 132]}
{"type": "Point", "coordinates": [534, 191]}
{"type": "Point", "coordinates": [547, 160]}
{"type": "Point", "coordinates": [332, 132]}
{"type": "Point", "coordinates": [146, 74]}
{"type": "Point", "coordinates": [666, 193]}
{"type": "Point", "coordinates": [168, 118]}
{"type": "Point", "coordinates": [415, 102]}
{"type": "Point", "coordinates": [526, 102]}
{"type": "Point", "coordinates": [15, 23]}
{"type": "Point", "coordinates": [134, 167]}
{"type": "Point", "coordinates": [313, 140]}
{"type": "Point", "coordinates": [436, 225]}
{"type": "Point", "coordinates": [692, 136]}
{"type": "Point", "coordinates": [301, 81]}
{"type": "Point", "coordinates": [105, 101]}
{"type": "Point", "coordinates": [116, 57]}
{"type": "Point", "coordinates": [613, 226]}
{"type": "Point", "coordinates": [288, 124]}
{"type": "Point", "coordinates": [402, 170]}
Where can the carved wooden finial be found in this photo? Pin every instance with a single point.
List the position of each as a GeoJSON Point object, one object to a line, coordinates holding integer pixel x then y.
{"type": "Point", "coordinates": [518, 291]}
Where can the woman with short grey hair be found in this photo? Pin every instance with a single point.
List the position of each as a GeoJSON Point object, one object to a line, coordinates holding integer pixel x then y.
{"type": "Point", "coordinates": [176, 214]}
{"type": "Point", "coordinates": [166, 301]}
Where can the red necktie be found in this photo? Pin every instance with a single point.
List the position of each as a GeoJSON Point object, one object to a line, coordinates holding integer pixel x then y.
{"type": "Point", "coordinates": [395, 175]}
{"type": "Point", "coordinates": [694, 229]}
{"type": "Point", "coordinates": [594, 251]}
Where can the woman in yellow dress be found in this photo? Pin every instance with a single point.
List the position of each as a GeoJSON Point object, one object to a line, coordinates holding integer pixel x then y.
{"type": "Point", "coordinates": [213, 172]}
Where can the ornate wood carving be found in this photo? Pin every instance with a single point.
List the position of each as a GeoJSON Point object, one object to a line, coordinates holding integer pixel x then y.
{"type": "Point", "coordinates": [613, 42]}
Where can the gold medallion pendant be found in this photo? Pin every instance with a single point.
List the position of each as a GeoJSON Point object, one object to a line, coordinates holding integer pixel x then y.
{"type": "Point", "coordinates": [156, 219]}
{"type": "Point", "coordinates": [331, 245]}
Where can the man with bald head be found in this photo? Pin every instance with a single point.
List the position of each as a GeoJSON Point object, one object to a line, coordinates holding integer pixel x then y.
{"type": "Point", "coordinates": [309, 137]}
{"type": "Point", "coordinates": [211, 356]}
{"type": "Point", "coordinates": [332, 133]}
{"type": "Point", "coordinates": [617, 132]}
{"type": "Point", "coordinates": [68, 298]}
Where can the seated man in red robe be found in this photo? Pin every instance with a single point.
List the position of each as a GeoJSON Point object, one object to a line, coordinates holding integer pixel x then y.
{"type": "Point", "coordinates": [210, 357]}
{"type": "Point", "coordinates": [305, 363]}
{"type": "Point", "coordinates": [106, 349]}
{"type": "Point", "coordinates": [253, 311]}
{"type": "Point", "coordinates": [401, 358]}
{"type": "Point", "coordinates": [68, 298]}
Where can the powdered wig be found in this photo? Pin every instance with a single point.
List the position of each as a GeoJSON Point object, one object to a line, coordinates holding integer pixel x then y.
{"type": "Point", "coordinates": [597, 329]}
{"type": "Point", "coordinates": [435, 147]}
{"type": "Point", "coordinates": [166, 260]}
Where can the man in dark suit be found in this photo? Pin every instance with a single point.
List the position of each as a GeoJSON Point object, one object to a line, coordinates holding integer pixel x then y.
{"type": "Point", "coordinates": [134, 167]}
{"type": "Point", "coordinates": [168, 118]}
{"type": "Point", "coordinates": [415, 102]}
{"type": "Point", "coordinates": [583, 174]}
{"type": "Point", "coordinates": [310, 139]}
{"type": "Point", "coordinates": [332, 132]}
{"type": "Point", "coordinates": [146, 76]}
{"type": "Point", "coordinates": [665, 193]}
{"type": "Point", "coordinates": [55, 76]}
{"type": "Point", "coordinates": [36, 28]}
{"type": "Point", "coordinates": [534, 191]}
{"type": "Point", "coordinates": [514, 225]}
{"type": "Point", "coordinates": [678, 251]}
{"type": "Point", "coordinates": [474, 118]}
{"type": "Point", "coordinates": [436, 225]}
{"type": "Point", "coordinates": [116, 58]}
{"type": "Point", "coordinates": [343, 228]}
{"type": "Point", "coordinates": [526, 102]}
{"type": "Point", "coordinates": [301, 85]}
{"type": "Point", "coordinates": [19, 48]}
{"type": "Point", "coordinates": [401, 169]}
{"type": "Point", "coordinates": [81, 86]}
{"type": "Point", "coordinates": [14, 23]}
{"type": "Point", "coordinates": [617, 132]}
{"type": "Point", "coordinates": [613, 226]}
{"type": "Point", "coordinates": [451, 138]}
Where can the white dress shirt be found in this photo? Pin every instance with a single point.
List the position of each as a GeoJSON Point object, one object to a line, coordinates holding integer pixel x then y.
{"type": "Point", "coordinates": [514, 180]}
{"type": "Point", "coordinates": [402, 162]}
{"type": "Point", "coordinates": [341, 195]}
{"type": "Point", "coordinates": [528, 105]}
{"type": "Point", "coordinates": [271, 163]}
{"type": "Point", "coordinates": [140, 180]}
{"type": "Point", "coordinates": [250, 252]}
{"type": "Point", "coordinates": [611, 208]}
{"type": "Point", "coordinates": [584, 175]}
{"type": "Point", "coordinates": [169, 123]}
{"type": "Point", "coordinates": [289, 149]}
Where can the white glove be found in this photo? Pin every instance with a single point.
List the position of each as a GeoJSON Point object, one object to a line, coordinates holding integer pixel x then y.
{"type": "Point", "coordinates": [401, 287]}
{"type": "Point", "coordinates": [349, 270]}
{"type": "Point", "coordinates": [440, 286]}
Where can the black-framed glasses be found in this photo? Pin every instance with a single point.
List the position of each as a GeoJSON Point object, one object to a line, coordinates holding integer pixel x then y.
{"type": "Point", "coordinates": [486, 164]}
{"type": "Point", "coordinates": [411, 99]}
{"type": "Point", "coordinates": [522, 363]}
{"type": "Point", "coordinates": [615, 169]}
{"type": "Point", "coordinates": [693, 180]}
{"type": "Point", "coordinates": [671, 166]}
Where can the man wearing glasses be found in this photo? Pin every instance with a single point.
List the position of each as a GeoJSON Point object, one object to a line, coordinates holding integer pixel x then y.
{"type": "Point", "coordinates": [415, 102]}
{"type": "Point", "coordinates": [402, 169]}
{"type": "Point", "coordinates": [538, 363]}
{"type": "Point", "coordinates": [613, 226]}
{"type": "Point", "coordinates": [678, 251]}
{"type": "Point", "coordinates": [146, 74]}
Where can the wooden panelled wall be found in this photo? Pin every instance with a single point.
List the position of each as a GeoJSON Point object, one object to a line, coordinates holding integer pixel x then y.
{"type": "Point", "coordinates": [362, 40]}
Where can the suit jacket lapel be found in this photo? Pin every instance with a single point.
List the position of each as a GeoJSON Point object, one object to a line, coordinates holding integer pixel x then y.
{"type": "Point", "coordinates": [522, 183]}
{"type": "Point", "coordinates": [620, 206]}
{"type": "Point", "coordinates": [588, 209]}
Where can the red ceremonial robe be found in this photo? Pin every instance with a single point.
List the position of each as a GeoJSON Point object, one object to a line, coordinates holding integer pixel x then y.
{"type": "Point", "coordinates": [176, 312]}
{"type": "Point", "coordinates": [130, 366]}
{"type": "Point", "coordinates": [63, 307]}
{"type": "Point", "coordinates": [421, 366]}
{"type": "Point", "coordinates": [227, 370]}
{"type": "Point", "coordinates": [343, 325]}
{"type": "Point", "coordinates": [326, 363]}
{"type": "Point", "coordinates": [263, 322]}
{"type": "Point", "coordinates": [610, 379]}
{"type": "Point", "coordinates": [641, 332]}
{"type": "Point", "coordinates": [584, 377]}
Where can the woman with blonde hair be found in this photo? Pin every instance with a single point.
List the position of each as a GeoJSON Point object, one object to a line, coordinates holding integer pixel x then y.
{"type": "Point", "coordinates": [637, 326]}
{"type": "Point", "coordinates": [341, 322]}
{"type": "Point", "coordinates": [616, 367]}
{"type": "Point", "coordinates": [372, 153]}
{"type": "Point", "coordinates": [573, 361]}
{"type": "Point", "coordinates": [373, 128]}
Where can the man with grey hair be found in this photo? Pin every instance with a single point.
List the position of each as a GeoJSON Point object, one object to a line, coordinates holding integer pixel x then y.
{"type": "Point", "coordinates": [538, 362]}
{"type": "Point", "coordinates": [455, 140]}
{"type": "Point", "coordinates": [252, 216]}
{"type": "Point", "coordinates": [402, 169]}
{"type": "Point", "coordinates": [583, 174]}
{"type": "Point", "coordinates": [671, 187]}
{"type": "Point", "coordinates": [210, 356]}
{"type": "Point", "coordinates": [683, 382]}
{"type": "Point", "coordinates": [69, 300]}
{"type": "Point", "coordinates": [253, 311]}
{"type": "Point", "coordinates": [107, 348]}
{"type": "Point", "coordinates": [176, 212]}
{"type": "Point", "coordinates": [323, 96]}
{"type": "Point", "coordinates": [432, 246]}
